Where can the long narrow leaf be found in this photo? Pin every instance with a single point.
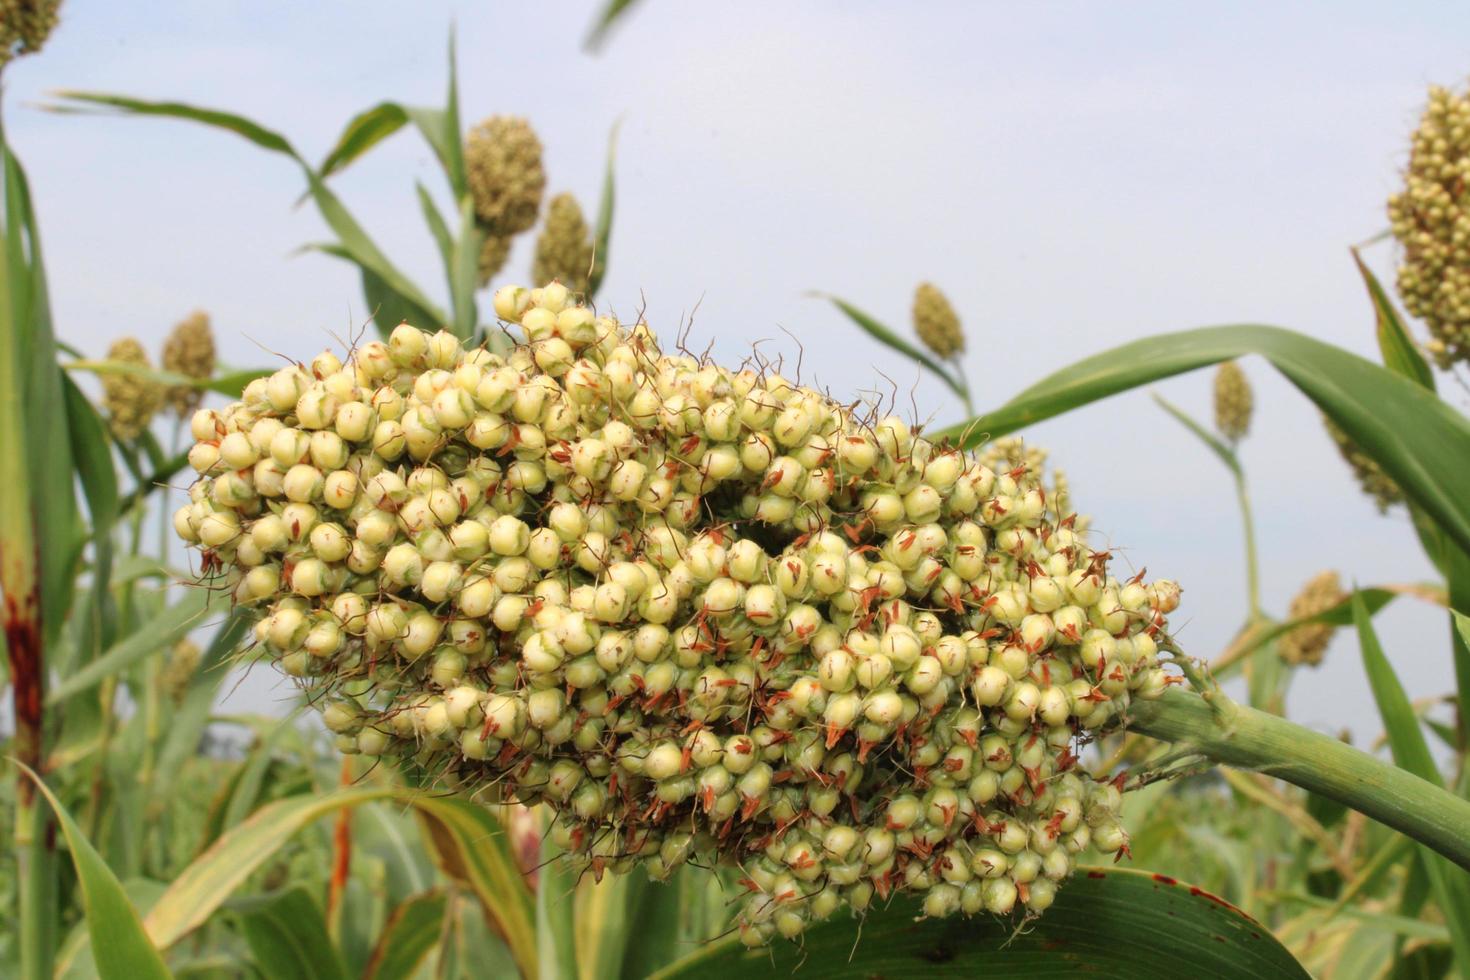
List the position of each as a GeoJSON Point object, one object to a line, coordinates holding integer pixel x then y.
{"type": "Point", "coordinates": [1451, 885]}
{"type": "Point", "coordinates": [354, 240]}
{"type": "Point", "coordinates": [120, 947]}
{"type": "Point", "coordinates": [1420, 441]}
{"type": "Point", "coordinates": [1214, 442]}
{"type": "Point", "coordinates": [602, 234]}
{"type": "Point", "coordinates": [288, 937]}
{"type": "Point", "coordinates": [1106, 921]}
{"type": "Point", "coordinates": [92, 455]}
{"type": "Point", "coordinates": [48, 443]}
{"type": "Point", "coordinates": [612, 11]}
{"type": "Point", "coordinates": [452, 154]}
{"type": "Point", "coordinates": [892, 340]}
{"type": "Point", "coordinates": [252, 131]}
{"type": "Point", "coordinates": [556, 946]}
{"type": "Point", "coordinates": [364, 252]}
{"type": "Point", "coordinates": [387, 306]}
{"type": "Point", "coordinates": [469, 842]}
{"type": "Point", "coordinates": [210, 880]}
{"type": "Point", "coordinates": [465, 271]}
{"type": "Point", "coordinates": [154, 635]}
{"type": "Point", "coordinates": [1338, 614]}
{"type": "Point", "coordinates": [363, 132]}
{"type": "Point", "coordinates": [472, 847]}
{"type": "Point", "coordinates": [437, 226]}
{"type": "Point", "coordinates": [1394, 341]}
{"type": "Point", "coordinates": [408, 937]}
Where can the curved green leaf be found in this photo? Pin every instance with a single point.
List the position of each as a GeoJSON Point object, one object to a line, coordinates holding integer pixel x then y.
{"type": "Point", "coordinates": [363, 132]}
{"type": "Point", "coordinates": [611, 12]}
{"type": "Point", "coordinates": [34, 398]}
{"type": "Point", "coordinates": [92, 454]}
{"type": "Point", "coordinates": [191, 717]}
{"type": "Point", "coordinates": [1451, 885]}
{"type": "Point", "coordinates": [556, 944]}
{"type": "Point", "coordinates": [451, 155]}
{"type": "Point", "coordinates": [288, 937]}
{"type": "Point", "coordinates": [364, 252]}
{"type": "Point", "coordinates": [386, 305]}
{"type": "Point", "coordinates": [247, 788]}
{"type": "Point", "coordinates": [252, 131]}
{"type": "Point", "coordinates": [437, 226]}
{"type": "Point", "coordinates": [355, 242]}
{"type": "Point", "coordinates": [471, 846]}
{"type": "Point", "coordinates": [120, 947]}
{"type": "Point", "coordinates": [464, 271]}
{"type": "Point", "coordinates": [155, 634]}
{"type": "Point", "coordinates": [1420, 441]}
{"type": "Point", "coordinates": [892, 340]}
{"type": "Point", "coordinates": [413, 928]}
{"type": "Point", "coordinates": [1214, 442]}
{"type": "Point", "coordinates": [209, 881]}
{"type": "Point", "coordinates": [1339, 614]}
{"type": "Point", "coordinates": [1106, 922]}
{"type": "Point", "coordinates": [602, 235]}
{"type": "Point", "coordinates": [1394, 341]}
{"type": "Point", "coordinates": [469, 842]}
{"type": "Point", "coordinates": [74, 956]}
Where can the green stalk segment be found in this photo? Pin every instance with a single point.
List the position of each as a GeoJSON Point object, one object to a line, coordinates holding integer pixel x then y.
{"type": "Point", "coordinates": [1235, 735]}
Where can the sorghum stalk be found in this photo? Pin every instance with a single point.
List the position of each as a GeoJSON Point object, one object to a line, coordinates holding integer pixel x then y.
{"type": "Point", "coordinates": [1236, 735]}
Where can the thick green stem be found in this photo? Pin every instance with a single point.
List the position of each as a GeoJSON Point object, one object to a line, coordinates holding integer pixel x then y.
{"type": "Point", "coordinates": [35, 877]}
{"type": "Point", "coordinates": [1245, 738]}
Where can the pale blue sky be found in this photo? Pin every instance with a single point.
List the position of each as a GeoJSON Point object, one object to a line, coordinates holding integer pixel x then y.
{"type": "Point", "coordinates": [1074, 175]}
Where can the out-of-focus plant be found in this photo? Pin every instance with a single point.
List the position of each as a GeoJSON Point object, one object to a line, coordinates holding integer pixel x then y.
{"type": "Point", "coordinates": [495, 179]}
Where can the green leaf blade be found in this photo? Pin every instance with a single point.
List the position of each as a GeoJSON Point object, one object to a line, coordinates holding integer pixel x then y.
{"type": "Point", "coordinates": [262, 137]}
{"type": "Point", "coordinates": [602, 234]}
{"type": "Point", "coordinates": [1450, 885]}
{"type": "Point", "coordinates": [1212, 441]}
{"type": "Point", "coordinates": [1107, 922]}
{"type": "Point", "coordinates": [158, 633]}
{"type": "Point", "coordinates": [1394, 341]}
{"type": "Point", "coordinates": [413, 929]}
{"type": "Point", "coordinates": [288, 937]}
{"type": "Point", "coordinates": [892, 340]}
{"type": "Point", "coordinates": [1423, 443]}
{"type": "Point", "coordinates": [363, 132]}
{"type": "Point", "coordinates": [120, 947]}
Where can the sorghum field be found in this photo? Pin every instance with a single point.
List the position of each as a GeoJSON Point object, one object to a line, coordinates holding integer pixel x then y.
{"type": "Point", "coordinates": [396, 585]}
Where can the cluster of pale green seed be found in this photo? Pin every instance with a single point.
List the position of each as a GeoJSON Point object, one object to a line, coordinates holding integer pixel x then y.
{"type": "Point", "coordinates": [936, 322]}
{"type": "Point", "coordinates": [706, 615]}
{"type": "Point", "coordinates": [179, 669]}
{"type": "Point", "coordinates": [1370, 476]}
{"type": "Point", "coordinates": [506, 178]}
{"type": "Point", "coordinates": [189, 350]}
{"type": "Point", "coordinates": [1233, 402]}
{"type": "Point", "coordinates": [24, 26]}
{"type": "Point", "coordinates": [1307, 644]}
{"type": "Point", "coordinates": [564, 247]}
{"type": "Point", "coordinates": [130, 399]}
{"type": "Point", "coordinates": [1430, 220]}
